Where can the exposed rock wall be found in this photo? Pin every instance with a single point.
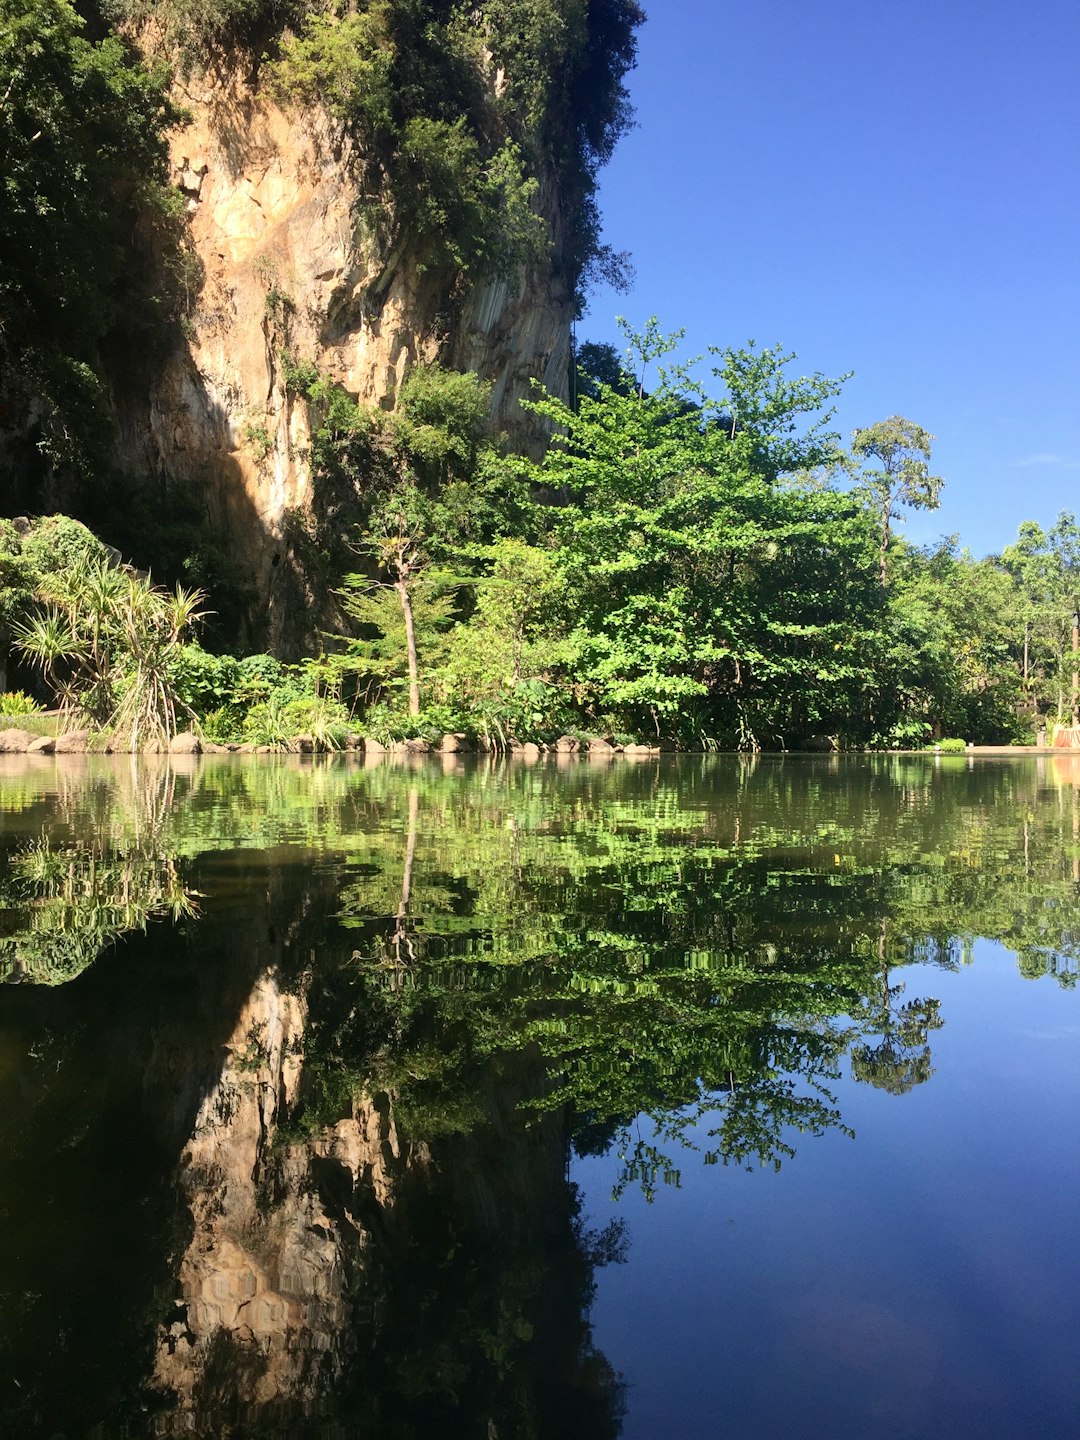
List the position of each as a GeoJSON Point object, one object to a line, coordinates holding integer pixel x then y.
{"type": "Point", "coordinates": [272, 202]}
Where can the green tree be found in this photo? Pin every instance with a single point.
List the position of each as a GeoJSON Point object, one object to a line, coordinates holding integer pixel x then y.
{"type": "Point", "coordinates": [903, 476]}
{"type": "Point", "coordinates": [950, 663]}
{"type": "Point", "coordinates": [502, 659]}
{"type": "Point", "coordinates": [83, 177]}
{"type": "Point", "coordinates": [1032, 567]}
{"type": "Point", "coordinates": [1044, 568]}
{"type": "Point", "coordinates": [713, 595]}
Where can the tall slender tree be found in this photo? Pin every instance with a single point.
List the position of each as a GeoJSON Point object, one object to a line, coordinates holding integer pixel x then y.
{"type": "Point", "coordinates": [903, 477]}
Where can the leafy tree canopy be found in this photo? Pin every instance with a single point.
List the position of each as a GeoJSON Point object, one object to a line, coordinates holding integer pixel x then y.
{"type": "Point", "coordinates": [82, 128]}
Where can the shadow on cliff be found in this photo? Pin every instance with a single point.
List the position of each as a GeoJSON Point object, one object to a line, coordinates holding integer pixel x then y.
{"type": "Point", "coordinates": [180, 441]}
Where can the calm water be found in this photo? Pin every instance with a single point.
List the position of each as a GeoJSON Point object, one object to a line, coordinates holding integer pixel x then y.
{"type": "Point", "coordinates": [693, 1097]}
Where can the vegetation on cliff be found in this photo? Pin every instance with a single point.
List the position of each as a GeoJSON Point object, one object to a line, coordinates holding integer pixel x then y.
{"type": "Point", "coordinates": [710, 569]}
{"type": "Point", "coordinates": [86, 204]}
{"type": "Point", "coordinates": [457, 112]}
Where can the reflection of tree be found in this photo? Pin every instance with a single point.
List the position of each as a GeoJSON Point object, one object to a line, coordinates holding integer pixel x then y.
{"type": "Point", "coordinates": [901, 1058]}
{"type": "Point", "coordinates": [439, 984]}
{"type": "Point", "coordinates": [76, 896]}
{"type": "Point", "coordinates": [401, 942]}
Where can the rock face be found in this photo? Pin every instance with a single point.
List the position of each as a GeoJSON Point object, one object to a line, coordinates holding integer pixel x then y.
{"type": "Point", "coordinates": [285, 265]}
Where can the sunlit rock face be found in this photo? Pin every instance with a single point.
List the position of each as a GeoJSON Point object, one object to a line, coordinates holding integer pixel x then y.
{"type": "Point", "coordinates": [264, 1314]}
{"type": "Point", "coordinates": [285, 264]}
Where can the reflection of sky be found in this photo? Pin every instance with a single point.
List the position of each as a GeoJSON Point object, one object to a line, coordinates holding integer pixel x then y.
{"type": "Point", "coordinates": [919, 1281]}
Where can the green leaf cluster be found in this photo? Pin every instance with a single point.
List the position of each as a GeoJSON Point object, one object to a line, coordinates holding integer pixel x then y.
{"type": "Point", "coordinates": [106, 640]}
{"type": "Point", "coordinates": [85, 203]}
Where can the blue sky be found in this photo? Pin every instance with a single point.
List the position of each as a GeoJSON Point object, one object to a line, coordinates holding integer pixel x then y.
{"type": "Point", "coordinates": [884, 188]}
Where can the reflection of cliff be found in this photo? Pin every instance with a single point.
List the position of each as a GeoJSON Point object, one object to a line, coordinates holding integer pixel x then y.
{"type": "Point", "coordinates": [352, 1279]}
{"type": "Point", "coordinates": [264, 1313]}
{"type": "Point", "coordinates": [101, 1080]}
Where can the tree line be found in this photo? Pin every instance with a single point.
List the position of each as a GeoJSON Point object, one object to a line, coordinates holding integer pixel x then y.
{"type": "Point", "coordinates": [696, 563]}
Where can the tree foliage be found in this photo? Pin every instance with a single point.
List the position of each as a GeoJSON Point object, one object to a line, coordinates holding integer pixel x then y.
{"type": "Point", "coordinates": [83, 175]}
{"type": "Point", "coordinates": [902, 476]}
{"type": "Point", "coordinates": [707, 588]}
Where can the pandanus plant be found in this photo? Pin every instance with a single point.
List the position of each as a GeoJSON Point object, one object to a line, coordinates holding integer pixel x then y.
{"type": "Point", "coordinates": [107, 641]}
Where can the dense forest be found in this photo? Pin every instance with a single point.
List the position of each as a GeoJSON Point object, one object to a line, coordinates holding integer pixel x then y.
{"type": "Point", "coordinates": [694, 557]}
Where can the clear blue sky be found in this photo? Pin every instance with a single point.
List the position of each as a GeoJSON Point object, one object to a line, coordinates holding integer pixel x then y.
{"type": "Point", "coordinates": [892, 189]}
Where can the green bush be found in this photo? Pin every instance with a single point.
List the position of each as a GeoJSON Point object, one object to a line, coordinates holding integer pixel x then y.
{"type": "Point", "coordinates": [390, 720]}
{"type": "Point", "coordinates": [257, 699]}
{"type": "Point", "coordinates": [222, 725]}
{"type": "Point", "coordinates": [205, 683]}
{"type": "Point", "coordinates": [906, 734]}
{"type": "Point", "coordinates": [277, 720]}
{"type": "Point", "coordinates": [948, 747]}
{"type": "Point", "coordinates": [346, 62]}
{"type": "Point", "coordinates": [474, 214]}
{"type": "Point", "coordinates": [107, 642]}
{"type": "Point", "coordinates": [15, 702]}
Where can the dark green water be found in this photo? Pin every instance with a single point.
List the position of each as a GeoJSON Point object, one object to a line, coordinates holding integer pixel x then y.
{"type": "Point", "coordinates": [692, 1097]}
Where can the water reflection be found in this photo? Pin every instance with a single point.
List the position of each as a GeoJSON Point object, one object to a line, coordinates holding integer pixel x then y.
{"type": "Point", "coordinates": [306, 1046]}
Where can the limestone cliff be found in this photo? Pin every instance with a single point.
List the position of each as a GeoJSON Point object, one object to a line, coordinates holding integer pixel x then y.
{"type": "Point", "coordinates": [241, 191]}
{"type": "Point", "coordinates": [272, 200]}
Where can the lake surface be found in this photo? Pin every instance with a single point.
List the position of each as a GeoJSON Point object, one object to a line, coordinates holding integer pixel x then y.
{"type": "Point", "coordinates": [694, 1096]}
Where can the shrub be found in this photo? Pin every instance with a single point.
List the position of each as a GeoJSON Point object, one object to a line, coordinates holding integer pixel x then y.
{"type": "Point", "coordinates": [473, 214]}
{"type": "Point", "coordinates": [204, 683]}
{"type": "Point", "coordinates": [277, 720]}
{"type": "Point", "coordinates": [108, 641]}
{"type": "Point", "coordinates": [15, 702]}
{"type": "Point", "coordinates": [949, 747]}
{"type": "Point", "coordinates": [344, 61]}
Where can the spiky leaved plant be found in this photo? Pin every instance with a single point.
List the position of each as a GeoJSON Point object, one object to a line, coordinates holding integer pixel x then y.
{"type": "Point", "coordinates": [107, 641]}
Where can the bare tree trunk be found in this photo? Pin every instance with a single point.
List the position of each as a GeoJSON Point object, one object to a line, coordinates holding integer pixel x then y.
{"type": "Point", "coordinates": [885, 517]}
{"type": "Point", "coordinates": [402, 588]}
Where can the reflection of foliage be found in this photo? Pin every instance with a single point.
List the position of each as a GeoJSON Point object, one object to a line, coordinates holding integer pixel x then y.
{"type": "Point", "coordinates": [703, 943]}
{"type": "Point", "coordinates": [78, 900]}
{"type": "Point", "coordinates": [901, 1058]}
{"type": "Point", "coordinates": [75, 896]}
{"type": "Point", "coordinates": [724, 983]}
{"type": "Point", "coordinates": [499, 960]}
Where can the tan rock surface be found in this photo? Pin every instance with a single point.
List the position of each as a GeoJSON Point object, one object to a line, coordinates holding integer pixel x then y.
{"type": "Point", "coordinates": [272, 203]}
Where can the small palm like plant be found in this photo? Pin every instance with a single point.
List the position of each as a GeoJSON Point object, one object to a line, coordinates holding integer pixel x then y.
{"type": "Point", "coordinates": [107, 641]}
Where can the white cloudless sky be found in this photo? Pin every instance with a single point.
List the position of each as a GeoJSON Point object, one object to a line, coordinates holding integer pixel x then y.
{"type": "Point", "coordinates": [887, 188]}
